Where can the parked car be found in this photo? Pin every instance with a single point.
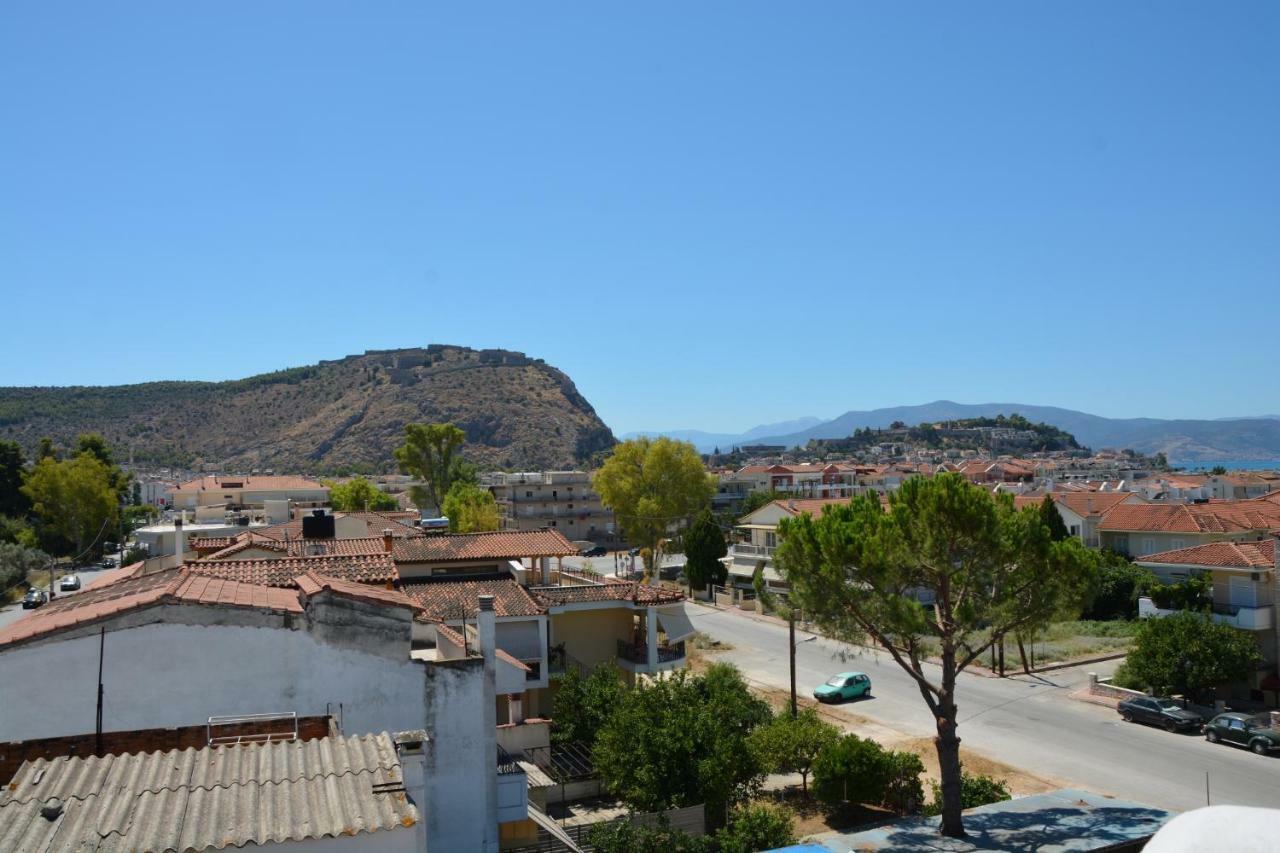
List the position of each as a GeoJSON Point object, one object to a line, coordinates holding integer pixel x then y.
{"type": "Point", "coordinates": [1159, 711]}
{"type": "Point", "coordinates": [846, 685]}
{"type": "Point", "coordinates": [107, 563]}
{"type": "Point", "coordinates": [1240, 729]}
{"type": "Point", "coordinates": [34, 598]}
{"type": "Point", "coordinates": [598, 551]}
{"type": "Point", "coordinates": [69, 583]}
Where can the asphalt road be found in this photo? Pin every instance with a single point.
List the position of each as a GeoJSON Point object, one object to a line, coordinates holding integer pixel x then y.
{"type": "Point", "coordinates": [88, 577]}
{"type": "Point", "coordinates": [1028, 722]}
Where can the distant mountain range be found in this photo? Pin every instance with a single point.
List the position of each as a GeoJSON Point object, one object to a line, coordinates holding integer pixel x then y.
{"type": "Point", "coordinates": [1183, 441]}
{"type": "Point", "coordinates": [708, 441]}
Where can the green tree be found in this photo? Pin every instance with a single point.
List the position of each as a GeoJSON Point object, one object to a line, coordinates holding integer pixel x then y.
{"type": "Point", "coordinates": [582, 704]}
{"type": "Point", "coordinates": [703, 547]}
{"type": "Point", "coordinates": [851, 769]}
{"type": "Point", "coordinates": [137, 516]}
{"type": "Point", "coordinates": [653, 485]}
{"type": "Point", "coordinates": [791, 744]}
{"type": "Point", "coordinates": [75, 501]}
{"type": "Point", "coordinates": [761, 497]}
{"type": "Point", "coordinates": [1052, 519]}
{"type": "Point", "coordinates": [48, 450]}
{"type": "Point", "coordinates": [1187, 652]}
{"type": "Point", "coordinates": [993, 570]}
{"type": "Point", "coordinates": [16, 562]}
{"type": "Point", "coordinates": [17, 531]}
{"type": "Point", "coordinates": [471, 509]}
{"type": "Point", "coordinates": [623, 836]}
{"type": "Point", "coordinates": [96, 446]}
{"type": "Point", "coordinates": [359, 494]}
{"type": "Point", "coordinates": [1116, 588]}
{"type": "Point", "coordinates": [12, 469]}
{"type": "Point", "coordinates": [756, 827]}
{"type": "Point", "coordinates": [682, 740]}
{"type": "Point", "coordinates": [1218, 470]}
{"type": "Point", "coordinates": [975, 790]}
{"type": "Point", "coordinates": [428, 453]}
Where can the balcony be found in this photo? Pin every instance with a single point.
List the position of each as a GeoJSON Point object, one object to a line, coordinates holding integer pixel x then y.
{"type": "Point", "coordinates": [634, 657]}
{"type": "Point", "coordinates": [1259, 618]}
{"type": "Point", "coordinates": [742, 549]}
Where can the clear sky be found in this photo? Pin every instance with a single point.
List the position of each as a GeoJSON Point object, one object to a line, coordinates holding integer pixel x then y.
{"type": "Point", "coordinates": [710, 215]}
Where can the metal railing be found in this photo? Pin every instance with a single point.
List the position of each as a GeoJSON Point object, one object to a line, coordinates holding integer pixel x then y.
{"type": "Point", "coordinates": [639, 652]}
{"type": "Point", "coordinates": [507, 763]}
{"type": "Point", "coordinates": [742, 548]}
{"type": "Point", "coordinates": [289, 719]}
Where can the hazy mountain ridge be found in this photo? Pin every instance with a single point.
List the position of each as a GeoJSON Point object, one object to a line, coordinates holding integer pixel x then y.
{"type": "Point", "coordinates": [348, 413]}
{"type": "Point", "coordinates": [1183, 440]}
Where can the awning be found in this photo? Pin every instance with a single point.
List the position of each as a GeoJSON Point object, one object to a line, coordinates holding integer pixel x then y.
{"type": "Point", "coordinates": [675, 622]}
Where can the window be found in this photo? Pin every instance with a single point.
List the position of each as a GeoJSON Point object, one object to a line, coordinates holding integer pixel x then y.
{"type": "Point", "coordinates": [1074, 530]}
{"type": "Point", "coordinates": [553, 522]}
{"type": "Point", "coordinates": [1148, 547]}
{"type": "Point", "coordinates": [1176, 544]}
{"type": "Point", "coordinates": [570, 506]}
{"type": "Point", "coordinates": [770, 539]}
{"type": "Point", "coordinates": [528, 494]}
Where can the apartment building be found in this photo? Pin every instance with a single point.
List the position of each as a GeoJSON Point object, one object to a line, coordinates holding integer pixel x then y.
{"type": "Point", "coordinates": [248, 492]}
{"type": "Point", "coordinates": [1138, 530]}
{"type": "Point", "coordinates": [560, 500]}
{"type": "Point", "coordinates": [1243, 578]}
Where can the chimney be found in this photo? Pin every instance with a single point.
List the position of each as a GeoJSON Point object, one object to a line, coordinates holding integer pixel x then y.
{"type": "Point", "coordinates": [487, 628]}
{"type": "Point", "coordinates": [180, 539]}
{"type": "Point", "coordinates": [387, 539]}
{"type": "Point", "coordinates": [411, 749]}
{"type": "Point", "coordinates": [545, 562]}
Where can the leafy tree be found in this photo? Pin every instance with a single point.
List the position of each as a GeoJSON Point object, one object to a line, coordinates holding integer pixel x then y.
{"type": "Point", "coordinates": [1052, 519]}
{"type": "Point", "coordinates": [703, 547]}
{"type": "Point", "coordinates": [623, 836]}
{"type": "Point", "coordinates": [756, 827]}
{"type": "Point", "coordinates": [137, 516]}
{"type": "Point", "coordinates": [12, 468]}
{"type": "Point", "coordinates": [857, 770]}
{"type": "Point", "coordinates": [758, 498]}
{"type": "Point", "coordinates": [582, 705]}
{"type": "Point", "coordinates": [16, 562]}
{"type": "Point", "coordinates": [428, 453]}
{"type": "Point", "coordinates": [682, 740]}
{"type": "Point", "coordinates": [994, 571]}
{"type": "Point", "coordinates": [1187, 652]}
{"type": "Point", "coordinates": [1218, 470]}
{"type": "Point", "coordinates": [359, 494]}
{"type": "Point", "coordinates": [975, 790]}
{"type": "Point", "coordinates": [791, 744]}
{"type": "Point", "coordinates": [1117, 585]}
{"type": "Point", "coordinates": [48, 450]}
{"type": "Point", "coordinates": [136, 554]}
{"type": "Point", "coordinates": [17, 531]}
{"type": "Point", "coordinates": [653, 485]}
{"type": "Point", "coordinates": [471, 509]}
{"type": "Point", "coordinates": [75, 501]}
{"type": "Point", "coordinates": [96, 446]}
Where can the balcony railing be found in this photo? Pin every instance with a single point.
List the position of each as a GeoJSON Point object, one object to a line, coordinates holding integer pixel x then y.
{"type": "Point", "coordinates": [741, 549]}
{"type": "Point", "coordinates": [639, 652]}
{"type": "Point", "coordinates": [1259, 618]}
{"type": "Point", "coordinates": [507, 763]}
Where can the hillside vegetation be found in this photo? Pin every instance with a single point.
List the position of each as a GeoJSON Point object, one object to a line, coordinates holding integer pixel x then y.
{"type": "Point", "coordinates": [333, 417]}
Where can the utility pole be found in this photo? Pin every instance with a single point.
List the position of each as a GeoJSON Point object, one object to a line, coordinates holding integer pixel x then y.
{"type": "Point", "coordinates": [102, 643]}
{"type": "Point", "coordinates": [791, 628]}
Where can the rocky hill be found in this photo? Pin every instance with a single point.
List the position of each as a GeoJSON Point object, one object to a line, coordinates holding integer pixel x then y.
{"type": "Point", "coordinates": [333, 417]}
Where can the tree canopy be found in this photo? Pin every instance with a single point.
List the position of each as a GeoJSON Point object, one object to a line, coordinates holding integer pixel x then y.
{"type": "Point", "coordinates": [582, 704]}
{"type": "Point", "coordinates": [470, 509]}
{"type": "Point", "coordinates": [74, 501]}
{"type": "Point", "coordinates": [1187, 652]}
{"type": "Point", "coordinates": [682, 740]}
{"type": "Point", "coordinates": [993, 571]}
{"type": "Point", "coordinates": [791, 744]}
{"type": "Point", "coordinates": [359, 494]}
{"type": "Point", "coordinates": [653, 485]}
{"type": "Point", "coordinates": [704, 545]}
{"type": "Point", "coordinates": [428, 453]}
{"type": "Point", "coordinates": [12, 469]}
{"type": "Point", "coordinates": [1052, 519]}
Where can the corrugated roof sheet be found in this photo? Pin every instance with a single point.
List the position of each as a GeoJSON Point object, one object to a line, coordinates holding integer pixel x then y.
{"type": "Point", "coordinates": [216, 797]}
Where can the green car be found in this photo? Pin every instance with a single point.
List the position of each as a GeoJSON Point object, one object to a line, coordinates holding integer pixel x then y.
{"type": "Point", "coordinates": [846, 685]}
{"type": "Point", "coordinates": [1254, 732]}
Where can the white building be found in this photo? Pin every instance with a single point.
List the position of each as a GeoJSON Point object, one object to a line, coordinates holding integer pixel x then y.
{"type": "Point", "coordinates": [180, 647]}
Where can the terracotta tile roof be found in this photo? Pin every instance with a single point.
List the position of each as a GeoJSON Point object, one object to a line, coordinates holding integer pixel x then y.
{"type": "Point", "coordinates": [1222, 517]}
{"type": "Point", "coordinates": [354, 547]}
{"type": "Point", "coordinates": [1235, 555]}
{"type": "Point", "coordinates": [450, 600]}
{"type": "Point", "coordinates": [138, 591]}
{"type": "Point", "coordinates": [214, 483]}
{"type": "Point", "coordinates": [622, 591]}
{"type": "Point", "coordinates": [499, 545]}
{"type": "Point", "coordinates": [283, 571]}
{"type": "Point", "coordinates": [1092, 503]}
{"type": "Point", "coordinates": [313, 582]}
{"type": "Point", "coordinates": [210, 543]}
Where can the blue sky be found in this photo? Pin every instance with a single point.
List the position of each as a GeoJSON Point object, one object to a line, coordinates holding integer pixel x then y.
{"type": "Point", "coordinates": [710, 215]}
